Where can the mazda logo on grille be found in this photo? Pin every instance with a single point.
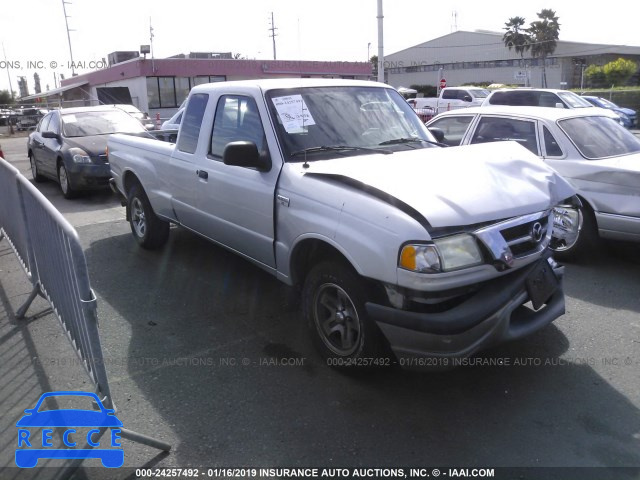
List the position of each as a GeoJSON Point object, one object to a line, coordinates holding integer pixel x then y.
{"type": "Point", "coordinates": [536, 232]}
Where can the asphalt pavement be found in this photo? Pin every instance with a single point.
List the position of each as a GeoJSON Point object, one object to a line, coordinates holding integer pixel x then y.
{"type": "Point", "coordinates": [207, 352]}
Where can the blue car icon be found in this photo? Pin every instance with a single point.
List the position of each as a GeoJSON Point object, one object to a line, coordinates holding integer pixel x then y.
{"type": "Point", "coordinates": [31, 447]}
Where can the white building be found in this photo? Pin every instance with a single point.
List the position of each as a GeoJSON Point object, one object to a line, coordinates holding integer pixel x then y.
{"type": "Point", "coordinates": [481, 56]}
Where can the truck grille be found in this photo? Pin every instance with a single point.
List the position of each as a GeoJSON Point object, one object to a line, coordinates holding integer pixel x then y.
{"type": "Point", "coordinates": [516, 241]}
{"type": "Point", "coordinates": [525, 238]}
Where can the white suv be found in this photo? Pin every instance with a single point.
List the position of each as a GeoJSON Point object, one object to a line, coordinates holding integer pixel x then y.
{"type": "Point", "coordinates": [536, 97]}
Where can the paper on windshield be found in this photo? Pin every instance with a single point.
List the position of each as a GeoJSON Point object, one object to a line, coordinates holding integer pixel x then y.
{"type": "Point", "coordinates": [293, 113]}
{"type": "Point", "coordinates": [69, 118]}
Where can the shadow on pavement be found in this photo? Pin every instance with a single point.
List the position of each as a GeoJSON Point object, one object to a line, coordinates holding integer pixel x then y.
{"type": "Point", "coordinates": [202, 334]}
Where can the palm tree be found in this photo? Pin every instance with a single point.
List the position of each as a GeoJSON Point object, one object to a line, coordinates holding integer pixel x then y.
{"type": "Point", "coordinates": [544, 36]}
{"type": "Point", "coordinates": [517, 37]}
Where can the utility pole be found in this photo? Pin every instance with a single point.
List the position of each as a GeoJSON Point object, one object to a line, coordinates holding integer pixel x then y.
{"type": "Point", "coordinates": [153, 63]}
{"type": "Point", "coordinates": [380, 46]}
{"type": "Point", "coordinates": [8, 74]}
{"type": "Point", "coordinates": [66, 21]}
{"type": "Point", "coordinates": [273, 36]}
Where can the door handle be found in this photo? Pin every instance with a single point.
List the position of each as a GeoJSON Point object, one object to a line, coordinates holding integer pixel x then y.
{"type": "Point", "coordinates": [202, 174]}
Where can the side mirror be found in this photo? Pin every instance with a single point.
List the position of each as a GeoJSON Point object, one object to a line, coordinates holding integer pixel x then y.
{"type": "Point", "coordinates": [50, 135]}
{"type": "Point", "coordinates": [559, 105]}
{"type": "Point", "coordinates": [245, 154]}
{"type": "Point", "coordinates": [437, 133]}
{"type": "Point", "coordinates": [467, 98]}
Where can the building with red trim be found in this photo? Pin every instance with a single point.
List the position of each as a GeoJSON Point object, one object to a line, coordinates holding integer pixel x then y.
{"type": "Point", "coordinates": [161, 85]}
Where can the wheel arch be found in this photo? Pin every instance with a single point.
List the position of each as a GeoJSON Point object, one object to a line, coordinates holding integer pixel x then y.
{"type": "Point", "coordinates": [129, 179]}
{"type": "Point", "coordinates": [311, 251]}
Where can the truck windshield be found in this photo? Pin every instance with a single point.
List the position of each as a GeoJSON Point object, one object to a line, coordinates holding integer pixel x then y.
{"type": "Point", "coordinates": [329, 122]}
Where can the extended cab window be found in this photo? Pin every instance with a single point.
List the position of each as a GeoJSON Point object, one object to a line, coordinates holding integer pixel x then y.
{"type": "Point", "coordinates": [190, 128]}
{"type": "Point", "coordinates": [498, 129]}
{"type": "Point", "coordinates": [453, 128]}
{"type": "Point", "coordinates": [237, 119]}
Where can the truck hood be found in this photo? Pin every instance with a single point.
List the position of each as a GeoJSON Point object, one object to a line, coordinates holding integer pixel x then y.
{"type": "Point", "coordinates": [455, 186]}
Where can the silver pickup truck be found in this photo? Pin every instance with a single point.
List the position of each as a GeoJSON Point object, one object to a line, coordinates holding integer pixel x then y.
{"type": "Point", "coordinates": [402, 249]}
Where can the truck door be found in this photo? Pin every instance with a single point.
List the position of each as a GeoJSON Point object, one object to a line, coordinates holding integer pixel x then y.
{"type": "Point", "coordinates": [184, 165]}
{"type": "Point", "coordinates": [238, 202]}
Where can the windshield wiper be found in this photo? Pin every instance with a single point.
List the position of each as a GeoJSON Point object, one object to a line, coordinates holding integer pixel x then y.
{"type": "Point", "coordinates": [403, 140]}
{"type": "Point", "coordinates": [339, 148]}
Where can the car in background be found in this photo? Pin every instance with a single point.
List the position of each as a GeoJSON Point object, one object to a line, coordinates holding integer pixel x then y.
{"type": "Point", "coordinates": [627, 115]}
{"type": "Point", "coordinates": [600, 158]}
{"type": "Point", "coordinates": [69, 146]}
{"type": "Point", "coordinates": [28, 118]}
{"type": "Point", "coordinates": [5, 114]}
{"type": "Point", "coordinates": [535, 97]}
{"type": "Point", "coordinates": [169, 129]}
{"type": "Point", "coordinates": [135, 112]}
{"type": "Point", "coordinates": [174, 122]}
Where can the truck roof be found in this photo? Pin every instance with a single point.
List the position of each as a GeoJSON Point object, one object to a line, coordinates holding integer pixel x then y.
{"type": "Point", "coordinates": [277, 83]}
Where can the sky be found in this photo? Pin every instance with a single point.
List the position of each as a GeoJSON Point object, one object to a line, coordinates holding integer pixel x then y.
{"type": "Point", "coordinates": [33, 32]}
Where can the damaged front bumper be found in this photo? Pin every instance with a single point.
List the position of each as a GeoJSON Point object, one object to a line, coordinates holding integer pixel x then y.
{"type": "Point", "coordinates": [496, 313]}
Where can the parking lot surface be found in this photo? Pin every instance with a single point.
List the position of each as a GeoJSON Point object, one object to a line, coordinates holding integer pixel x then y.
{"type": "Point", "coordinates": [209, 353]}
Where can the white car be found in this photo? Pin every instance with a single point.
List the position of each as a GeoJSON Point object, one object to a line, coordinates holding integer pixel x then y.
{"type": "Point", "coordinates": [599, 157]}
{"type": "Point", "coordinates": [174, 122]}
{"type": "Point", "coordinates": [135, 112]}
{"type": "Point", "coordinates": [535, 97]}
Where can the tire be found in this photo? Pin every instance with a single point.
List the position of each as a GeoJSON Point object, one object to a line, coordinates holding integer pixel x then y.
{"type": "Point", "coordinates": [65, 183]}
{"type": "Point", "coordinates": [333, 299]}
{"type": "Point", "coordinates": [149, 231]}
{"type": "Point", "coordinates": [34, 170]}
{"type": "Point", "coordinates": [587, 241]}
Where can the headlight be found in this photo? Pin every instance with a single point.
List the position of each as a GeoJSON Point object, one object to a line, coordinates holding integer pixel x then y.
{"type": "Point", "coordinates": [445, 254]}
{"type": "Point", "coordinates": [82, 159]}
{"type": "Point", "coordinates": [623, 118]}
{"type": "Point", "coordinates": [78, 155]}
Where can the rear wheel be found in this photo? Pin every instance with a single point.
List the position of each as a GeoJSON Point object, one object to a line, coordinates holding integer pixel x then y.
{"type": "Point", "coordinates": [34, 170]}
{"type": "Point", "coordinates": [333, 302]}
{"type": "Point", "coordinates": [149, 230]}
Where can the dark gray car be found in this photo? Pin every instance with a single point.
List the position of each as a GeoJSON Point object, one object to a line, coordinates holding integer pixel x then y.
{"type": "Point", "coordinates": [69, 146]}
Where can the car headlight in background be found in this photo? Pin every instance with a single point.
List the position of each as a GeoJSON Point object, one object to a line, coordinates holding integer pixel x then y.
{"type": "Point", "coordinates": [445, 254]}
{"type": "Point", "coordinates": [79, 156]}
{"type": "Point", "coordinates": [623, 118]}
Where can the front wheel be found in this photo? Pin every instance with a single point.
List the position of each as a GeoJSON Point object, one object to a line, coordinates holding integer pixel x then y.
{"type": "Point", "coordinates": [149, 230]}
{"type": "Point", "coordinates": [584, 242]}
{"type": "Point", "coordinates": [333, 300]}
{"type": "Point", "coordinates": [65, 183]}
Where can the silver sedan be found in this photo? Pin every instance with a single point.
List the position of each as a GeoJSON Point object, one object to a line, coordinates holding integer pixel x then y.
{"type": "Point", "coordinates": [592, 151]}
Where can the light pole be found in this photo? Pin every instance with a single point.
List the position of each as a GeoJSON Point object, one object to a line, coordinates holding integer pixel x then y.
{"type": "Point", "coordinates": [380, 44]}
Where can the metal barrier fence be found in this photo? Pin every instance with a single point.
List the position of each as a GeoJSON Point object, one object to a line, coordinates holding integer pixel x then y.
{"type": "Point", "coordinates": [12, 226]}
{"type": "Point", "coordinates": [57, 269]}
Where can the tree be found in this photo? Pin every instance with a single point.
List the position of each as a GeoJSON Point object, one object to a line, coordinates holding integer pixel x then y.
{"type": "Point", "coordinates": [516, 37]}
{"type": "Point", "coordinates": [544, 35]}
{"type": "Point", "coordinates": [619, 71]}
{"type": "Point", "coordinates": [374, 64]}
{"type": "Point", "coordinates": [5, 97]}
{"type": "Point", "coordinates": [595, 76]}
